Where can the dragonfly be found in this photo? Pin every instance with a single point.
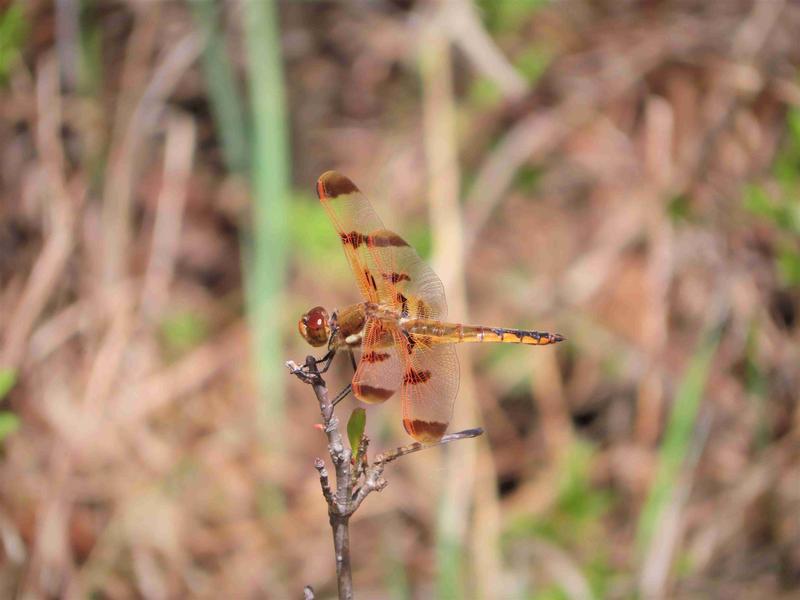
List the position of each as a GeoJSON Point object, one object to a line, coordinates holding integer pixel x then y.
{"type": "Point", "coordinates": [400, 325]}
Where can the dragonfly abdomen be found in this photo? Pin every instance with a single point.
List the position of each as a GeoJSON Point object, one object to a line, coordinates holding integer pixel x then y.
{"type": "Point", "coordinates": [477, 333]}
{"type": "Point", "coordinates": [438, 332]}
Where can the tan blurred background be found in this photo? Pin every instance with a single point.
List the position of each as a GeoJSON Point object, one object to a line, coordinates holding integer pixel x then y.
{"type": "Point", "coordinates": [626, 173]}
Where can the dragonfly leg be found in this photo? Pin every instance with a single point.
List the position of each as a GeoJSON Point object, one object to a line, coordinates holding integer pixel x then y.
{"type": "Point", "coordinates": [327, 359]}
{"type": "Point", "coordinates": [342, 395]}
{"type": "Point", "coordinates": [352, 358]}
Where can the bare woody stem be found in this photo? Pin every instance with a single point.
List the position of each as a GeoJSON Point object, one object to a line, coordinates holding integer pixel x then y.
{"type": "Point", "coordinates": [338, 503]}
{"type": "Point", "coordinates": [348, 495]}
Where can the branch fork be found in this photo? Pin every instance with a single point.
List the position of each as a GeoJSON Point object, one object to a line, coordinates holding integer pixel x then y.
{"type": "Point", "coordinates": [356, 478]}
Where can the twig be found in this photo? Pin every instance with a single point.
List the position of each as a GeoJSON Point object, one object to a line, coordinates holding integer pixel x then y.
{"type": "Point", "coordinates": [460, 20]}
{"type": "Point", "coordinates": [132, 129]}
{"type": "Point", "coordinates": [374, 481]}
{"type": "Point", "coordinates": [388, 457]}
{"type": "Point", "coordinates": [65, 200]}
{"type": "Point", "coordinates": [338, 503]}
{"type": "Point", "coordinates": [204, 363]}
{"type": "Point", "coordinates": [349, 494]}
{"type": "Point", "coordinates": [324, 483]}
{"type": "Point", "coordinates": [532, 136]}
{"type": "Point", "coordinates": [178, 155]}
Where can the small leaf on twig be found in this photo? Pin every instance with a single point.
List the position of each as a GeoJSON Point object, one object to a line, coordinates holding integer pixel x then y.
{"type": "Point", "coordinates": [355, 429]}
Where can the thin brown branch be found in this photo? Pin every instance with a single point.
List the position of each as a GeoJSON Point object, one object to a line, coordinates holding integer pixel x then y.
{"type": "Point", "coordinates": [204, 363]}
{"type": "Point", "coordinates": [179, 150]}
{"type": "Point", "coordinates": [374, 481]}
{"type": "Point", "coordinates": [362, 461]}
{"type": "Point", "coordinates": [132, 129]}
{"type": "Point", "coordinates": [64, 201]}
{"type": "Point", "coordinates": [460, 20]}
{"type": "Point", "coordinates": [338, 503]}
{"type": "Point", "coordinates": [324, 482]}
{"type": "Point", "coordinates": [388, 457]}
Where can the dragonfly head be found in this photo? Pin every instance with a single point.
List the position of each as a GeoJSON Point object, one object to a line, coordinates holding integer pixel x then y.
{"type": "Point", "coordinates": [314, 326]}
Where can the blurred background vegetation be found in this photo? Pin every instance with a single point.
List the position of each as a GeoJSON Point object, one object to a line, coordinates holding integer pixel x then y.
{"type": "Point", "coordinates": [626, 173]}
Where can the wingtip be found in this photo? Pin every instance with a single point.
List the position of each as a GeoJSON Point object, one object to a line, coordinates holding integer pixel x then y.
{"type": "Point", "coordinates": [557, 337]}
{"type": "Point", "coordinates": [332, 184]}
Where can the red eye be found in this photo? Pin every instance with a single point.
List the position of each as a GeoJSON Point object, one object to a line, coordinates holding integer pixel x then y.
{"type": "Point", "coordinates": [314, 326]}
{"type": "Point", "coordinates": [317, 317]}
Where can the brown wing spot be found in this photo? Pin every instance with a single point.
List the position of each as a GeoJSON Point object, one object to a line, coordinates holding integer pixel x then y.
{"type": "Point", "coordinates": [395, 277]}
{"type": "Point", "coordinates": [371, 279]}
{"type": "Point", "coordinates": [413, 377]}
{"type": "Point", "coordinates": [373, 357]}
{"type": "Point", "coordinates": [422, 310]}
{"type": "Point", "coordinates": [403, 301]}
{"type": "Point", "coordinates": [332, 184]}
{"type": "Point", "coordinates": [354, 238]}
{"type": "Point", "coordinates": [425, 431]}
{"type": "Point", "coordinates": [410, 342]}
{"type": "Point", "coordinates": [371, 394]}
{"type": "Point", "coordinates": [388, 238]}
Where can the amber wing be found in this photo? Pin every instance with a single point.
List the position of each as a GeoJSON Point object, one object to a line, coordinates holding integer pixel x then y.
{"type": "Point", "coordinates": [387, 268]}
{"type": "Point", "coordinates": [380, 370]}
{"type": "Point", "coordinates": [391, 273]}
{"type": "Point", "coordinates": [429, 388]}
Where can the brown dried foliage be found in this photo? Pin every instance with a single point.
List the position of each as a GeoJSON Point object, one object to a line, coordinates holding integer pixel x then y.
{"type": "Point", "coordinates": [138, 471]}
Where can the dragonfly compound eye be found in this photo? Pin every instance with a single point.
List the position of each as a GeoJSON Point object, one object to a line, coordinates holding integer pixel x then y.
{"type": "Point", "coordinates": [314, 328]}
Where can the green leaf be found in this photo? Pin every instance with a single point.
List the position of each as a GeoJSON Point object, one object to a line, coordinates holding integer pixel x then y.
{"type": "Point", "coordinates": [355, 429]}
{"type": "Point", "coordinates": [9, 423]}
{"type": "Point", "coordinates": [8, 379]}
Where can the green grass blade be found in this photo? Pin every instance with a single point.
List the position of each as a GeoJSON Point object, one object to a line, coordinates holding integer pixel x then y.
{"type": "Point", "coordinates": [226, 103]}
{"type": "Point", "coordinates": [449, 560]}
{"type": "Point", "coordinates": [678, 435]}
{"type": "Point", "coordinates": [266, 255]}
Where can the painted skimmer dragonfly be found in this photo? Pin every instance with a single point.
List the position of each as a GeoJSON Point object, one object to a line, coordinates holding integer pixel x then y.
{"type": "Point", "coordinates": [400, 328]}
